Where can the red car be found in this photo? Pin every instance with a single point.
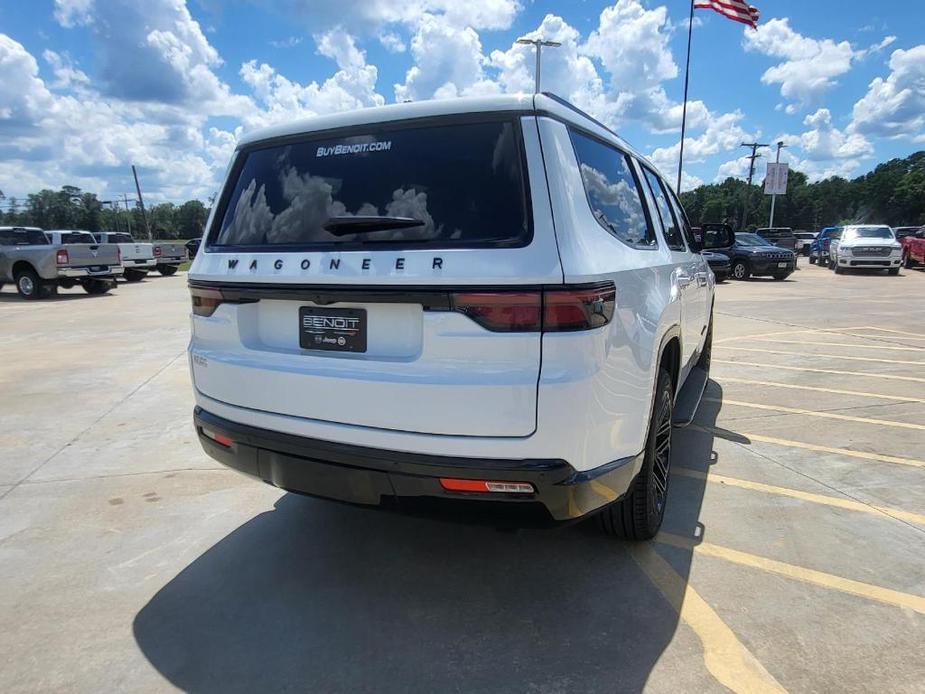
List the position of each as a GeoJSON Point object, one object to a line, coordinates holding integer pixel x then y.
{"type": "Point", "coordinates": [913, 243]}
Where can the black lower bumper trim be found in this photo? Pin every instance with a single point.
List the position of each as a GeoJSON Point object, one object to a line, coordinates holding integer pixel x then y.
{"type": "Point", "coordinates": [411, 481]}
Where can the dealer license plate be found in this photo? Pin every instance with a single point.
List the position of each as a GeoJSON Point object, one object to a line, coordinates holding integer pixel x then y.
{"type": "Point", "coordinates": [333, 329]}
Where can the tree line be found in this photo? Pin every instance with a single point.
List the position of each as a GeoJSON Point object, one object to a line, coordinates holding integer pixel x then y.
{"type": "Point", "coordinates": [72, 208]}
{"type": "Point", "coordinates": [893, 193]}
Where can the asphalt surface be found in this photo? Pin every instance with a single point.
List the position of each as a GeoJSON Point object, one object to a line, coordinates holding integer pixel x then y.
{"type": "Point", "coordinates": [792, 556]}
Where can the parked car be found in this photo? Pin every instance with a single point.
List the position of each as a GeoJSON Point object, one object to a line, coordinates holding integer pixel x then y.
{"type": "Point", "coordinates": [40, 262]}
{"type": "Point", "coordinates": [719, 264]}
{"type": "Point", "coordinates": [137, 258]}
{"type": "Point", "coordinates": [383, 345]}
{"type": "Point", "coordinates": [168, 257]}
{"type": "Point", "coordinates": [192, 247]}
{"type": "Point", "coordinates": [804, 241]}
{"type": "Point", "coordinates": [782, 237]}
{"type": "Point", "coordinates": [752, 256]}
{"type": "Point", "coordinates": [912, 240]}
{"type": "Point", "coordinates": [866, 246]}
{"type": "Point", "coordinates": [819, 248]}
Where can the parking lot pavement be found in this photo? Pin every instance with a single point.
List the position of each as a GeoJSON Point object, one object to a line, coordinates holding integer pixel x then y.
{"type": "Point", "coordinates": [791, 558]}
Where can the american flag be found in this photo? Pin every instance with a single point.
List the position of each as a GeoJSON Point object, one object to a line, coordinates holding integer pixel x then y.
{"type": "Point", "coordinates": [736, 10]}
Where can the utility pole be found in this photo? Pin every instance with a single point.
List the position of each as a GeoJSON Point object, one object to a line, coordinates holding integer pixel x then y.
{"type": "Point", "coordinates": [538, 44]}
{"type": "Point", "coordinates": [141, 201]}
{"type": "Point", "coordinates": [128, 212]}
{"type": "Point", "coordinates": [751, 172]}
{"type": "Point", "coordinates": [780, 146]}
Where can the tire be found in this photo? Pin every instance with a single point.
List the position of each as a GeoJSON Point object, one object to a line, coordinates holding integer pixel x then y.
{"type": "Point", "coordinates": [67, 283]}
{"type": "Point", "coordinates": [48, 289]}
{"type": "Point", "coordinates": [838, 268]}
{"type": "Point", "coordinates": [28, 284]}
{"type": "Point", "coordinates": [740, 270]}
{"type": "Point", "coordinates": [812, 260]}
{"type": "Point", "coordinates": [781, 277]}
{"type": "Point", "coordinates": [95, 287]}
{"type": "Point", "coordinates": [134, 275]}
{"type": "Point", "coordinates": [639, 514]}
{"type": "Point", "coordinates": [907, 261]}
{"type": "Point", "coordinates": [167, 270]}
{"type": "Point", "coordinates": [893, 271]}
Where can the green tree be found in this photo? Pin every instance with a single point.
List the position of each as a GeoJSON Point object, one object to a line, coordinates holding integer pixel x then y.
{"type": "Point", "coordinates": [191, 219]}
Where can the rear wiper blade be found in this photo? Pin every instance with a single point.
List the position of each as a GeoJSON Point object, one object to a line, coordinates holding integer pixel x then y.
{"type": "Point", "coordinates": [366, 224]}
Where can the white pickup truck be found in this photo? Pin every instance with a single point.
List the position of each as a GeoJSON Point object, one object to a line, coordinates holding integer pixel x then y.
{"type": "Point", "coordinates": [168, 256]}
{"type": "Point", "coordinates": [137, 258]}
{"type": "Point", "coordinates": [39, 262]}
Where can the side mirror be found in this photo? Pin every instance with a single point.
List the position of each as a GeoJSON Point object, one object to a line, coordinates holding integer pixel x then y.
{"type": "Point", "coordinates": [718, 238]}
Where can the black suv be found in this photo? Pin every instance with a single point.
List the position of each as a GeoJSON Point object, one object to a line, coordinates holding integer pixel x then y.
{"type": "Point", "coordinates": [753, 256]}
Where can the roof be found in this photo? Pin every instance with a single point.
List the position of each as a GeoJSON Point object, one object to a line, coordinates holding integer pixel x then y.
{"type": "Point", "coordinates": [537, 103]}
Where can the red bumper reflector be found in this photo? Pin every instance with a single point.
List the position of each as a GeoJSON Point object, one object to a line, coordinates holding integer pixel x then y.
{"type": "Point", "coordinates": [484, 486]}
{"type": "Point", "coordinates": [218, 438]}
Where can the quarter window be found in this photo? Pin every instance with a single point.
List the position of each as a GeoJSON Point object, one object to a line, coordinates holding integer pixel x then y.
{"type": "Point", "coordinates": [669, 224]}
{"type": "Point", "coordinates": [612, 190]}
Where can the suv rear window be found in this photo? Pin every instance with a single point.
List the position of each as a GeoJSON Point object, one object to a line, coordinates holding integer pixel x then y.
{"type": "Point", "coordinates": [465, 183]}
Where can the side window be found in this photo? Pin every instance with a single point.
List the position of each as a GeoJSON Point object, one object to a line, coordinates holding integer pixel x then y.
{"type": "Point", "coordinates": [669, 224]}
{"type": "Point", "coordinates": [613, 192]}
{"type": "Point", "coordinates": [686, 229]}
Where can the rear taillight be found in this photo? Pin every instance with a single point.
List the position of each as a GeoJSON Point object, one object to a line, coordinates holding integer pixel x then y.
{"type": "Point", "coordinates": [205, 301]}
{"type": "Point", "coordinates": [502, 311]}
{"type": "Point", "coordinates": [560, 309]}
{"type": "Point", "coordinates": [61, 257]}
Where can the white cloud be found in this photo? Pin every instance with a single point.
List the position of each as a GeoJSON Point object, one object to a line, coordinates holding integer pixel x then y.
{"type": "Point", "coordinates": [809, 66]}
{"type": "Point", "coordinates": [392, 42]}
{"type": "Point", "coordinates": [67, 75]}
{"type": "Point", "coordinates": [447, 61]}
{"type": "Point", "coordinates": [353, 86]}
{"type": "Point", "coordinates": [895, 107]}
{"type": "Point", "coordinates": [371, 15]}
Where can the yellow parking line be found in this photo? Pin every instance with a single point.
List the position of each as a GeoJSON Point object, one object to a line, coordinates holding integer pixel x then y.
{"type": "Point", "coordinates": [842, 344]}
{"type": "Point", "coordinates": [864, 455]}
{"type": "Point", "coordinates": [799, 573]}
{"type": "Point", "coordinates": [827, 356]}
{"type": "Point", "coordinates": [889, 377]}
{"type": "Point", "coordinates": [725, 657]}
{"type": "Point", "coordinates": [816, 413]}
{"type": "Point", "coordinates": [834, 501]}
{"type": "Point", "coordinates": [836, 391]}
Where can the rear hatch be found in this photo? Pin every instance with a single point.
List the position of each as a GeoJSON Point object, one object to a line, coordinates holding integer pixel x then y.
{"type": "Point", "coordinates": [385, 276]}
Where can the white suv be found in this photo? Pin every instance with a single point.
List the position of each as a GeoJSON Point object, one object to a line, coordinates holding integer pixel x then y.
{"type": "Point", "coordinates": [866, 246]}
{"type": "Point", "coordinates": [484, 307]}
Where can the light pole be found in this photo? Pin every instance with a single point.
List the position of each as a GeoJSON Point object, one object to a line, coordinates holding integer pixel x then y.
{"type": "Point", "coordinates": [538, 43]}
{"type": "Point", "coordinates": [780, 146]}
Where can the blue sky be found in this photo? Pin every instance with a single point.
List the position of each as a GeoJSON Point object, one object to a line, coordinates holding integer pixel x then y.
{"type": "Point", "coordinates": [91, 86]}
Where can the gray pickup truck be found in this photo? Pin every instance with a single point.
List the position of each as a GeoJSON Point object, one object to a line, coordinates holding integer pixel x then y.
{"type": "Point", "coordinates": [169, 256]}
{"type": "Point", "coordinates": [39, 262]}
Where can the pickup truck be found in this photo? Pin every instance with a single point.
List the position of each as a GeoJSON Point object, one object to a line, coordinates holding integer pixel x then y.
{"type": "Point", "coordinates": [39, 262]}
{"type": "Point", "coordinates": [819, 249]}
{"type": "Point", "coordinates": [870, 246]}
{"type": "Point", "coordinates": [912, 240]}
{"type": "Point", "coordinates": [168, 256]}
{"type": "Point", "coordinates": [137, 258]}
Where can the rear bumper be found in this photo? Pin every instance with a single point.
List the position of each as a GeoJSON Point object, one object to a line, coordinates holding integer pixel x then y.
{"type": "Point", "coordinates": [169, 261]}
{"type": "Point", "coordinates": [78, 272]}
{"type": "Point", "coordinates": [410, 482]}
{"type": "Point", "coordinates": [145, 264]}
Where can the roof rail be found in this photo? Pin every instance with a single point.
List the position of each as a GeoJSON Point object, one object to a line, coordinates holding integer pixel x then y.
{"type": "Point", "coordinates": [572, 107]}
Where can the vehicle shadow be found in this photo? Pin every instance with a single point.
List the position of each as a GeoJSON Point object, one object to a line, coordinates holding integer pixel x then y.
{"type": "Point", "coordinates": [315, 596]}
{"type": "Point", "coordinates": [13, 297]}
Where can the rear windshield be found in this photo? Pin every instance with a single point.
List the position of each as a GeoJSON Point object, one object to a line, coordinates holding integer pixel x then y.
{"type": "Point", "coordinates": [869, 233]}
{"type": "Point", "coordinates": [776, 233]}
{"type": "Point", "coordinates": [120, 238]}
{"type": "Point", "coordinates": [460, 185]}
{"type": "Point", "coordinates": [78, 237]}
{"type": "Point", "coordinates": [22, 237]}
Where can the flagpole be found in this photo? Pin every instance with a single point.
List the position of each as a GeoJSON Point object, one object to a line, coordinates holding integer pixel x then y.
{"type": "Point", "coordinates": [687, 73]}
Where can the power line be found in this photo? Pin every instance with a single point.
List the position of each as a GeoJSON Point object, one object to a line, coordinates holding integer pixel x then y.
{"type": "Point", "coordinates": [751, 173]}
